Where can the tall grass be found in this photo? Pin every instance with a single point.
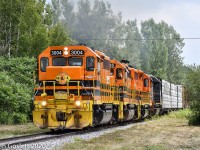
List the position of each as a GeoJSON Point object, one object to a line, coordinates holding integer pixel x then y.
{"type": "Point", "coordinates": [180, 114]}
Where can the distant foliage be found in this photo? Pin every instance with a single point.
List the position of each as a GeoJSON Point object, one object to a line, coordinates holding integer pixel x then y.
{"type": "Point", "coordinates": [16, 90]}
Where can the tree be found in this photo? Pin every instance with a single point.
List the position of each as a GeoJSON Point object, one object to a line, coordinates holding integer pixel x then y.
{"type": "Point", "coordinates": [21, 22]}
{"type": "Point", "coordinates": [161, 53]}
{"type": "Point", "coordinates": [58, 36]}
{"type": "Point", "coordinates": [9, 11]}
{"type": "Point", "coordinates": [33, 36]}
{"type": "Point", "coordinates": [174, 46]}
{"type": "Point", "coordinates": [193, 86]}
{"type": "Point", "coordinates": [132, 43]}
{"type": "Point", "coordinates": [93, 25]}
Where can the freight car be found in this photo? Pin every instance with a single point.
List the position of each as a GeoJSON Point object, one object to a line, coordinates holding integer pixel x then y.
{"type": "Point", "coordinates": [80, 87]}
{"type": "Point", "coordinates": [166, 95]}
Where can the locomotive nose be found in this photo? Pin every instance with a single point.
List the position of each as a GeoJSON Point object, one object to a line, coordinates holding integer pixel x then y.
{"type": "Point", "coordinates": [64, 74]}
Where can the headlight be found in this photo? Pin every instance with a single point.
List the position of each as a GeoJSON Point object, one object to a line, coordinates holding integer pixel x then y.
{"type": "Point", "coordinates": [78, 103]}
{"type": "Point", "coordinates": [66, 52]}
{"type": "Point", "coordinates": [44, 103]}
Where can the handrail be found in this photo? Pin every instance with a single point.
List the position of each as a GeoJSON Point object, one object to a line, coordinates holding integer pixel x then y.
{"type": "Point", "coordinates": [94, 72]}
{"type": "Point", "coordinates": [67, 84]}
{"type": "Point", "coordinates": [78, 82]}
{"type": "Point", "coordinates": [44, 83]}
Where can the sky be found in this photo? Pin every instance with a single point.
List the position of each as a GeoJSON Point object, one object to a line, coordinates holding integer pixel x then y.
{"type": "Point", "coordinates": [183, 15]}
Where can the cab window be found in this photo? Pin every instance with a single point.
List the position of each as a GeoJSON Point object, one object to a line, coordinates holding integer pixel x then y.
{"type": "Point", "coordinates": [126, 74]}
{"type": "Point", "coordinates": [112, 72]}
{"type": "Point", "coordinates": [129, 73]}
{"type": "Point", "coordinates": [119, 73]}
{"type": "Point", "coordinates": [99, 66]}
{"type": "Point", "coordinates": [90, 63]}
{"type": "Point", "coordinates": [75, 61]}
{"type": "Point", "coordinates": [59, 61]}
{"type": "Point", "coordinates": [146, 82]}
{"type": "Point", "coordinates": [44, 62]}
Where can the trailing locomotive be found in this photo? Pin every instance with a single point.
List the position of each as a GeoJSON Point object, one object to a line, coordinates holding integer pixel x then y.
{"type": "Point", "coordinates": [79, 87]}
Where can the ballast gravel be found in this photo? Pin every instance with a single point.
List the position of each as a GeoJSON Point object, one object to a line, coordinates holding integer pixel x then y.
{"type": "Point", "coordinates": [57, 144]}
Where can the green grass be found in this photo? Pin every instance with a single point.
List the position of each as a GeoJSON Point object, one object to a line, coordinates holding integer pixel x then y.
{"type": "Point", "coordinates": [181, 114]}
{"type": "Point", "coordinates": [14, 130]}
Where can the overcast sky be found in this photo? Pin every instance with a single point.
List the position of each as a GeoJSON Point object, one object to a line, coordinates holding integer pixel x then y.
{"type": "Point", "coordinates": [183, 15]}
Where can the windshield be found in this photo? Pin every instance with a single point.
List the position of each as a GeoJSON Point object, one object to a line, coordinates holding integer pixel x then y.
{"type": "Point", "coordinates": [75, 61]}
{"type": "Point", "coordinates": [59, 61]}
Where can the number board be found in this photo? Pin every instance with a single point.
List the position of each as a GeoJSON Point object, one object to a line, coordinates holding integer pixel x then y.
{"type": "Point", "coordinates": [112, 65]}
{"type": "Point", "coordinates": [76, 52]}
{"type": "Point", "coordinates": [56, 52]}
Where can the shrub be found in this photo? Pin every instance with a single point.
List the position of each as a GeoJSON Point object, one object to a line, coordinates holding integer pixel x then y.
{"type": "Point", "coordinates": [19, 118]}
{"type": "Point", "coordinates": [5, 118]}
{"type": "Point", "coordinates": [16, 90]}
{"type": "Point", "coordinates": [193, 85]}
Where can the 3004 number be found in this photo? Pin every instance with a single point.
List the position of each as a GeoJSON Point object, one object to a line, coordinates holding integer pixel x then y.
{"type": "Point", "coordinates": [76, 52]}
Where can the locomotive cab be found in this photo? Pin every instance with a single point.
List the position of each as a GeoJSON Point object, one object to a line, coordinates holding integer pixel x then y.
{"type": "Point", "coordinates": [74, 89]}
{"type": "Point", "coordinates": [66, 89]}
{"type": "Point", "coordinates": [123, 90]}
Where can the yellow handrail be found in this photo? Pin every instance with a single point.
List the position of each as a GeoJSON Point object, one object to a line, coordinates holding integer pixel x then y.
{"type": "Point", "coordinates": [44, 82]}
{"type": "Point", "coordinates": [93, 80]}
{"type": "Point", "coordinates": [78, 82]}
{"type": "Point", "coordinates": [67, 84]}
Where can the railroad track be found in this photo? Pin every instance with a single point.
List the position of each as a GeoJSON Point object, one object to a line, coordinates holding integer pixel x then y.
{"type": "Point", "coordinates": [23, 141]}
{"type": "Point", "coordinates": [19, 140]}
{"type": "Point", "coordinates": [34, 141]}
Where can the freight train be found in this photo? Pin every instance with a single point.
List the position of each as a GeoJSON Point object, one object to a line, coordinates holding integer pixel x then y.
{"type": "Point", "coordinates": [79, 87]}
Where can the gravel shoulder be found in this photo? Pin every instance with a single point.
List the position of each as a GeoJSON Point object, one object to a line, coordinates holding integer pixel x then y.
{"type": "Point", "coordinates": [163, 133]}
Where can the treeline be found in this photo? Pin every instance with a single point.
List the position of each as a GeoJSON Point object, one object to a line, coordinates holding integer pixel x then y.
{"type": "Point", "coordinates": [28, 27]}
{"type": "Point", "coordinates": [154, 47]}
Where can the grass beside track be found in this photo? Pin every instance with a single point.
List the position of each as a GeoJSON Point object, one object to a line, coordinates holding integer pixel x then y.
{"type": "Point", "coordinates": [15, 130]}
{"type": "Point", "coordinates": [162, 133]}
